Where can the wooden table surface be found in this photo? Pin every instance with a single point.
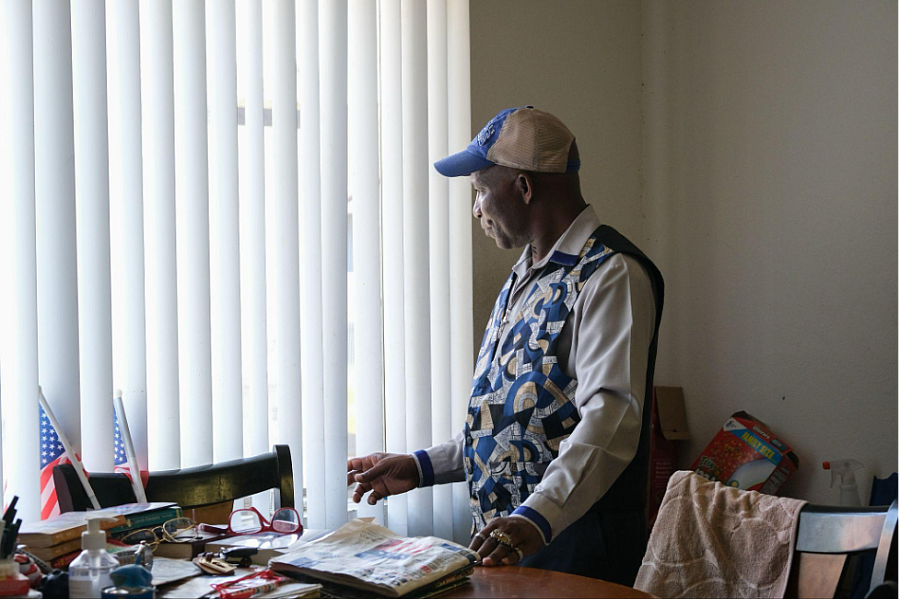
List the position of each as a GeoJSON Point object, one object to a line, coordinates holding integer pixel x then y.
{"type": "Point", "coordinates": [512, 581]}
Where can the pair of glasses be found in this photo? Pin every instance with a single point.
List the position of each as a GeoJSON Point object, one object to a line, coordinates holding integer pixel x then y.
{"type": "Point", "coordinates": [171, 531]}
{"type": "Point", "coordinates": [249, 521]}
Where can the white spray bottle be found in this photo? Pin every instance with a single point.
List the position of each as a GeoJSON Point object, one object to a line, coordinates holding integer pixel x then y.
{"type": "Point", "coordinates": [846, 470]}
{"type": "Point", "coordinates": [89, 573]}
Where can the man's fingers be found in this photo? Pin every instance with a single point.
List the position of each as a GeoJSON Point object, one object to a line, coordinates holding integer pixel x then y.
{"type": "Point", "coordinates": [486, 549]}
{"type": "Point", "coordinates": [511, 558]}
{"type": "Point", "coordinates": [492, 551]}
{"type": "Point", "coordinates": [497, 555]}
{"type": "Point", "coordinates": [483, 543]}
{"type": "Point", "coordinates": [477, 540]}
{"type": "Point", "coordinates": [480, 537]}
{"type": "Point", "coordinates": [356, 466]}
{"type": "Point", "coordinates": [359, 491]}
{"type": "Point", "coordinates": [374, 496]}
{"type": "Point", "coordinates": [361, 464]}
{"type": "Point", "coordinates": [372, 473]}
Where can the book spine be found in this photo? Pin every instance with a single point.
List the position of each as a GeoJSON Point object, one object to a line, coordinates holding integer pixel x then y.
{"type": "Point", "coordinates": [40, 540]}
{"type": "Point", "coordinates": [145, 520]}
{"type": "Point", "coordinates": [64, 560]}
{"type": "Point", "coordinates": [49, 539]}
{"type": "Point", "coordinates": [67, 535]}
{"type": "Point", "coordinates": [49, 553]}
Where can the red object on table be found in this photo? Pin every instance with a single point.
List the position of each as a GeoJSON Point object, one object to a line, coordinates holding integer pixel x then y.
{"type": "Point", "coordinates": [14, 585]}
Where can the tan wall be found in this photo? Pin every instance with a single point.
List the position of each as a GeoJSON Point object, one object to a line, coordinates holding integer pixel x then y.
{"type": "Point", "coordinates": [580, 60]}
{"type": "Point", "coordinates": [770, 161]}
{"type": "Point", "coordinates": [758, 168]}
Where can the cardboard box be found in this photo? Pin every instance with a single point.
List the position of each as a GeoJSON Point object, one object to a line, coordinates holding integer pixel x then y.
{"type": "Point", "coordinates": [668, 425]}
{"type": "Point", "coordinates": [746, 454]}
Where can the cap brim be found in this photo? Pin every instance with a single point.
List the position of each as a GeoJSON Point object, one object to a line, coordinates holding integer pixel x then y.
{"type": "Point", "coordinates": [461, 163]}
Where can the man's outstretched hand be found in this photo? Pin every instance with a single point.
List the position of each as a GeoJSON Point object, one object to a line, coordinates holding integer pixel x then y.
{"type": "Point", "coordinates": [383, 474]}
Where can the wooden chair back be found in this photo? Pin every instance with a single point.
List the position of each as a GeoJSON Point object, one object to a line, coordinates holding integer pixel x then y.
{"type": "Point", "coordinates": [827, 535]}
{"type": "Point", "coordinates": [189, 487]}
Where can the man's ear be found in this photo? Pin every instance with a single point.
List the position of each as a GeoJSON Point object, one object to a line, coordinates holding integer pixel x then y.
{"type": "Point", "coordinates": [525, 186]}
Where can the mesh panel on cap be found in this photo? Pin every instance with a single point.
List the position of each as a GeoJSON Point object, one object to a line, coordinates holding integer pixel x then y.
{"type": "Point", "coordinates": [532, 140]}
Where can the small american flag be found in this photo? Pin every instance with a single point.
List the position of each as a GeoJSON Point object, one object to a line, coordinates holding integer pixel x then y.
{"type": "Point", "coordinates": [52, 453]}
{"type": "Point", "coordinates": [121, 459]}
{"type": "Point", "coordinates": [119, 449]}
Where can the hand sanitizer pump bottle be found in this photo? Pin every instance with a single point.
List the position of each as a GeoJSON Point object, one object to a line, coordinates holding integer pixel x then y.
{"type": "Point", "coordinates": [90, 571]}
{"type": "Point", "coordinates": [846, 471]}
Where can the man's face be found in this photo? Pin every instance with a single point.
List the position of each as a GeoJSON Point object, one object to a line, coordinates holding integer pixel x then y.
{"type": "Point", "coordinates": [499, 207]}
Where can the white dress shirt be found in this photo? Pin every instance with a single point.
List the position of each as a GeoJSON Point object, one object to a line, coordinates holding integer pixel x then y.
{"type": "Point", "coordinates": [604, 345]}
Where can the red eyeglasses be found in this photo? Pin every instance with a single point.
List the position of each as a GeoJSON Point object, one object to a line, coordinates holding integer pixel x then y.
{"type": "Point", "coordinates": [249, 521]}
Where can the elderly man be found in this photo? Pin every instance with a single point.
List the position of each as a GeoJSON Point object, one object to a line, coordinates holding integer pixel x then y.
{"type": "Point", "coordinates": [554, 447]}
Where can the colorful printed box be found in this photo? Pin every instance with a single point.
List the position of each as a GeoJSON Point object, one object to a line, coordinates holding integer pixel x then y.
{"type": "Point", "coordinates": [746, 455]}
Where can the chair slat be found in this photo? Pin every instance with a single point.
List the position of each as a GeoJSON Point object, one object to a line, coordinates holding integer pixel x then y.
{"type": "Point", "coordinates": [188, 487]}
{"type": "Point", "coordinates": [839, 532]}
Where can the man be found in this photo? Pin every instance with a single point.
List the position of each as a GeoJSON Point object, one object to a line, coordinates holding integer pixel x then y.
{"type": "Point", "coordinates": [554, 447]}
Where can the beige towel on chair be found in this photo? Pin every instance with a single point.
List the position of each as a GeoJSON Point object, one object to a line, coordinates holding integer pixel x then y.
{"type": "Point", "coordinates": [710, 540]}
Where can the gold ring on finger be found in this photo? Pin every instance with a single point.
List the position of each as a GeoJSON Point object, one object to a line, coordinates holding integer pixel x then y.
{"type": "Point", "coordinates": [502, 538]}
{"type": "Point", "coordinates": [519, 553]}
{"type": "Point", "coordinates": [480, 537]}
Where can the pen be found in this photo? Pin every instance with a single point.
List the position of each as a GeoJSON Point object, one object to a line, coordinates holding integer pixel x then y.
{"type": "Point", "coordinates": [9, 543]}
{"type": "Point", "coordinates": [10, 514]}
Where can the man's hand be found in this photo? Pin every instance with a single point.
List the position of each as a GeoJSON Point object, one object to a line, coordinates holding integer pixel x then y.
{"type": "Point", "coordinates": [383, 474]}
{"type": "Point", "coordinates": [521, 533]}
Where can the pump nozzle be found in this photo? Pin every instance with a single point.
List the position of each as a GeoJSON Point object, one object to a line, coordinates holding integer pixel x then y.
{"type": "Point", "coordinates": [846, 470]}
{"type": "Point", "coordinates": [95, 537]}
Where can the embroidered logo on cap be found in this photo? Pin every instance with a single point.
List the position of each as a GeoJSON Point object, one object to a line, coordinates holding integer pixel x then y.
{"type": "Point", "coordinates": [485, 134]}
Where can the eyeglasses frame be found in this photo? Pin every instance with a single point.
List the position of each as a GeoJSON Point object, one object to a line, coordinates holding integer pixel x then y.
{"type": "Point", "coordinates": [266, 525]}
{"type": "Point", "coordinates": [165, 536]}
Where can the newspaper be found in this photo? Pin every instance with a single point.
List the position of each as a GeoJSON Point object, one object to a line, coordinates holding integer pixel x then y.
{"type": "Point", "coordinates": [166, 570]}
{"type": "Point", "coordinates": [366, 556]}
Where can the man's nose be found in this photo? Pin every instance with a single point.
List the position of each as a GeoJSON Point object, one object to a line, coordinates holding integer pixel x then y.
{"type": "Point", "coordinates": [476, 208]}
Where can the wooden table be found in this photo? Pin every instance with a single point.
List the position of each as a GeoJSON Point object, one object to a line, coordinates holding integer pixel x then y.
{"type": "Point", "coordinates": [512, 581]}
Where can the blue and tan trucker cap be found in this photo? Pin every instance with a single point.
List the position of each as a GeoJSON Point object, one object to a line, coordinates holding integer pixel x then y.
{"type": "Point", "coordinates": [523, 138]}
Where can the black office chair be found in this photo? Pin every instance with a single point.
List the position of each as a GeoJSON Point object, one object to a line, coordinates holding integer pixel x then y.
{"type": "Point", "coordinates": [827, 535]}
{"type": "Point", "coordinates": [188, 487]}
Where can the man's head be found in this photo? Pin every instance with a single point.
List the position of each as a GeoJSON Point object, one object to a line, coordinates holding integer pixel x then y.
{"type": "Point", "coordinates": [524, 168]}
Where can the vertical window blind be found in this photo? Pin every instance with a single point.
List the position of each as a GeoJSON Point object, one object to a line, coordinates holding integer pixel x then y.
{"type": "Point", "coordinates": [227, 211]}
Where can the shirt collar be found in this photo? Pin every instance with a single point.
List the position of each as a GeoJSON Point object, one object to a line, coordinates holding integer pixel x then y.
{"type": "Point", "coordinates": [567, 248]}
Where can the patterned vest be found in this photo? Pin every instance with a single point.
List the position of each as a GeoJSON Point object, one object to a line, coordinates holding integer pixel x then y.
{"type": "Point", "coordinates": [522, 404]}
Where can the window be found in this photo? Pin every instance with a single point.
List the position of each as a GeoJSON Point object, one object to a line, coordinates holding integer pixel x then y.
{"type": "Point", "coordinates": [381, 336]}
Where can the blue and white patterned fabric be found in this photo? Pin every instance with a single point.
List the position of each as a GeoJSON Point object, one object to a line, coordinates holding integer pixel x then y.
{"type": "Point", "coordinates": [522, 407]}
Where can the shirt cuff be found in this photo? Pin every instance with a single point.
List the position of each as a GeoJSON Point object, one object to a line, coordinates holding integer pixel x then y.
{"type": "Point", "coordinates": [543, 513]}
{"type": "Point", "coordinates": [529, 516]}
{"type": "Point", "coordinates": [426, 470]}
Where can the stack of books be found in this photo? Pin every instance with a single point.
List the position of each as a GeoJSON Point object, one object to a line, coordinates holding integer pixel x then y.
{"type": "Point", "coordinates": [142, 515]}
{"type": "Point", "coordinates": [57, 540]}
